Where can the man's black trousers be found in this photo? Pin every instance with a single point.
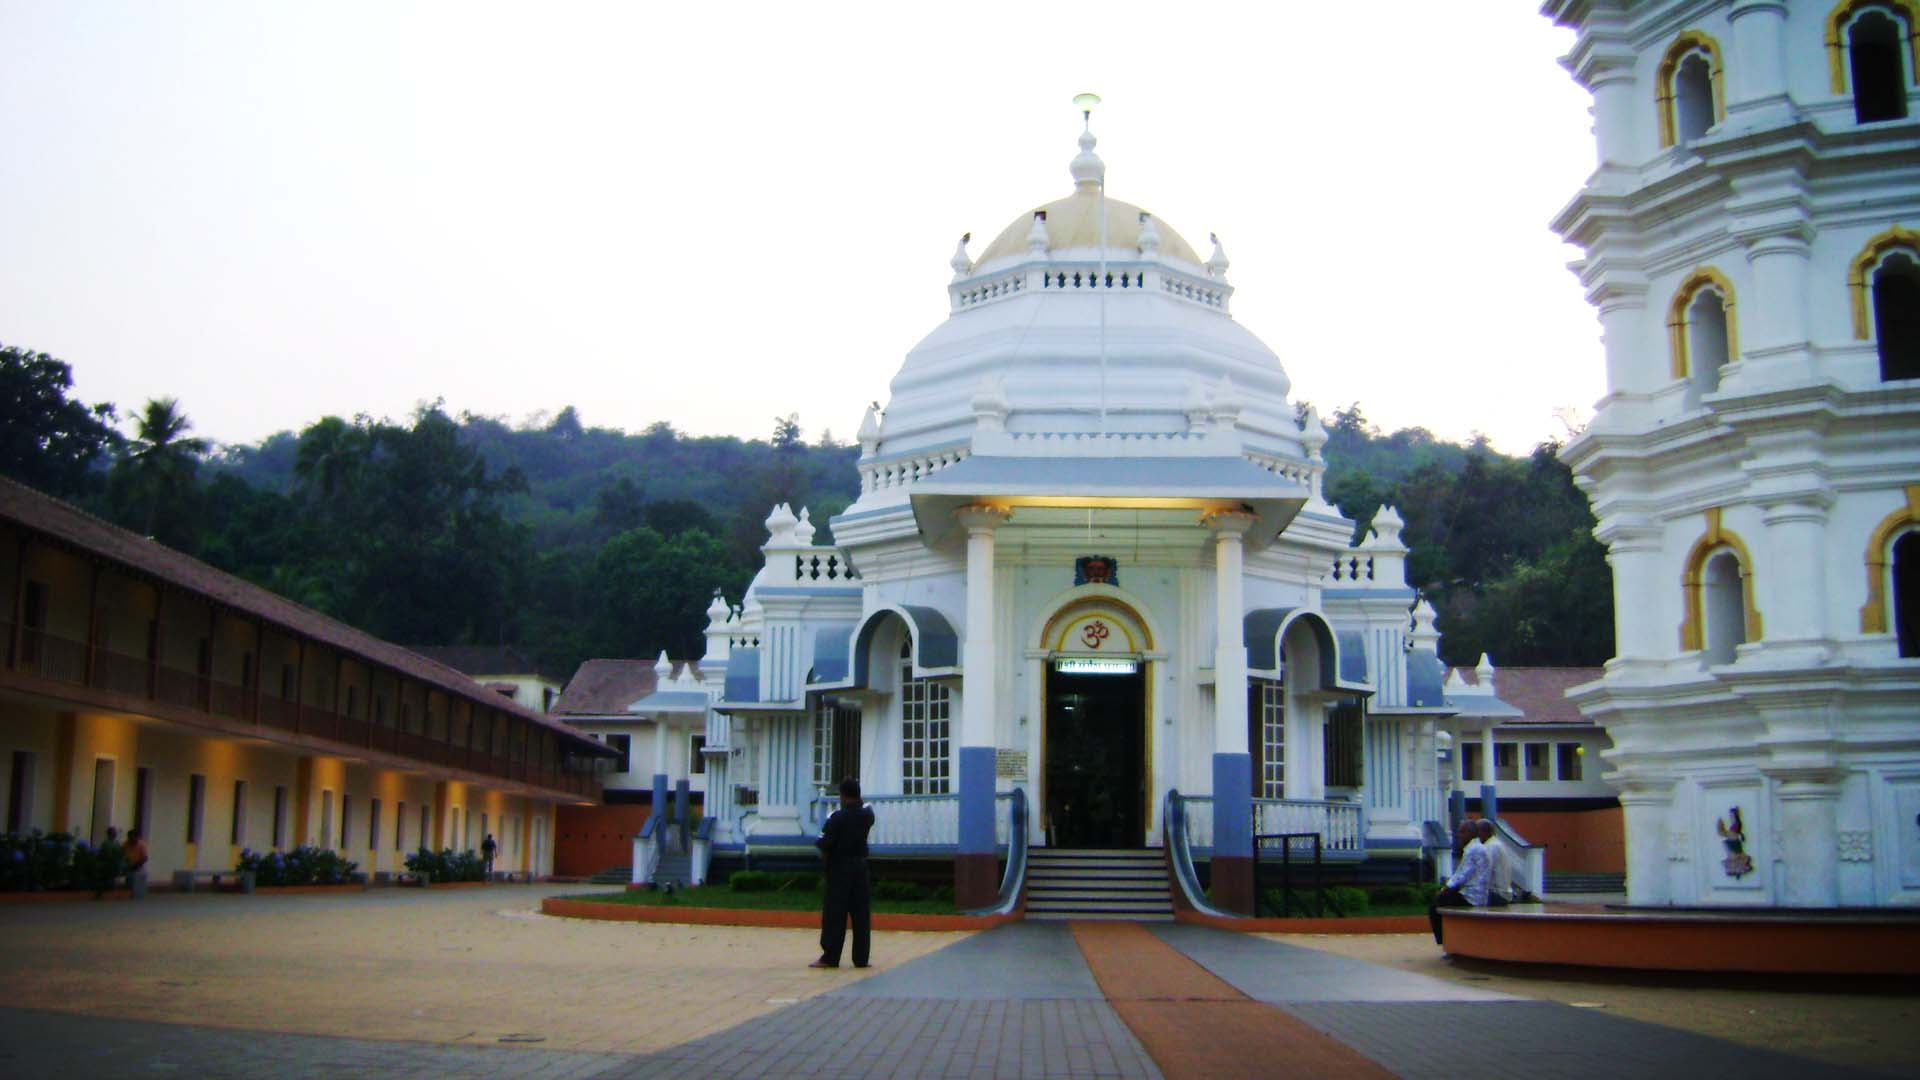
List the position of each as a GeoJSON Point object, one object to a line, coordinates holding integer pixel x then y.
{"type": "Point", "coordinates": [847, 897]}
{"type": "Point", "coordinates": [1446, 898]}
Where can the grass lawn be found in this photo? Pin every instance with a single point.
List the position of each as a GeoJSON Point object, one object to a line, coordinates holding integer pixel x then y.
{"type": "Point", "coordinates": [720, 896]}
{"type": "Point", "coordinates": [1373, 911]}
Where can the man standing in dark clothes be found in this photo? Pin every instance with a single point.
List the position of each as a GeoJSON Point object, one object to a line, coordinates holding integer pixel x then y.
{"type": "Point", "coordinates": [843, 843]}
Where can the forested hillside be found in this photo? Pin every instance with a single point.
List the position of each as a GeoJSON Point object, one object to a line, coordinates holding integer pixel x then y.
{"type": "Point", "coordinates": [573, 541]}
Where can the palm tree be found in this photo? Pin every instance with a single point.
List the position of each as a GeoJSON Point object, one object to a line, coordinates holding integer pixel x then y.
{"type": "Point", "coordinates": [330, 454]}
{"type": "Point", "coordinates": [164, 458]}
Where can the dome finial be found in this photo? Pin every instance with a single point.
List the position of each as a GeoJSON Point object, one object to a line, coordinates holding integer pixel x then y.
{"type": "Point", "coordinates": [1087, 168]}
{"type": "Point", "coordinates": [1217, 264]}
{"type": "Point", "coordinates": [961, 262]}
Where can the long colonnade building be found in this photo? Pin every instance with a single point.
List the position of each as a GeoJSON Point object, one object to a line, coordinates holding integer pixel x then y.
{"type": "Point", "coordinates": [143, 689]}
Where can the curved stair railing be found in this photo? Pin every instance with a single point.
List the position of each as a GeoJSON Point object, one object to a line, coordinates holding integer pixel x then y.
{"type": "Point", "coordinates": [1174, 829]}
{"type": "Point", "coordinates": [1014, 880]}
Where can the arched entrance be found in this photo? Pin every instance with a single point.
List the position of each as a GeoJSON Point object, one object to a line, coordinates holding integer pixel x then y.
{"type": "Point", "coordinates": [1094, 752]}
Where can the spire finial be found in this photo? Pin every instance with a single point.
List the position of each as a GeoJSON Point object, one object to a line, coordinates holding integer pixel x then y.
{"type": "Point", "coordinates": [961, 262]}
{"type": "Point", "coordinates": [1217, 265]}
{"type": "Point", "coordinates": [1087, 168]}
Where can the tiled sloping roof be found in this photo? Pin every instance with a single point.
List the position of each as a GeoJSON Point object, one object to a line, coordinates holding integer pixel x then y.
{"type": "Point", "coordinates": [90, 535]}
{"type": "Point", "coordinates": [1539, 692]}
{"type": "Point", "coordinates": [607, 687]}
{"type": "Point", "coordinates": [478, 660]}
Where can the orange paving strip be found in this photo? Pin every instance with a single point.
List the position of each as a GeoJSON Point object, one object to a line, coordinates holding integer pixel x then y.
{"type": "Point", "coordinates": [1195, 1025]}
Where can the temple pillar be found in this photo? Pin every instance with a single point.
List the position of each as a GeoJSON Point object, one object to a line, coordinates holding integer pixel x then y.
{"type": "Point", "coordinates": [976, 867]}
{"type": "Point", "coordinates": [1809, 803]}
{"type": "Point", "coordinates": [1645, 805]}
{"type": "Point", "coordinates": [1233, 885]}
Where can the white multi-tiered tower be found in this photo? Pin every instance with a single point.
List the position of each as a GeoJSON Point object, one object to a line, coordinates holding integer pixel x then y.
{"type": "Point", "coordinates": [1755, 466]}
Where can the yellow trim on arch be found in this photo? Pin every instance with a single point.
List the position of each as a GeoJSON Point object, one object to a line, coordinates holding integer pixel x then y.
{"type": "Point", "coordinates": [1683, 298]}
{"type": "Point", "coordinates": [1873, 614]}
{"type": "Point", "coordinates": [1859, 288]}
{"type": "Point", "coordinates": [1844, 11]}
{"type": "Point", "coordinates": [1664, 95]}
{"type": "Point", "coordinates": [1693, 626]}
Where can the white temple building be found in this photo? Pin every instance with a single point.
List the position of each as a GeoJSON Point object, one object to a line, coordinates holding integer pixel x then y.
{"type": "Point", "coordinates": [1090, 584]}
{"type": "Point", "coordinates": [1751, 245]}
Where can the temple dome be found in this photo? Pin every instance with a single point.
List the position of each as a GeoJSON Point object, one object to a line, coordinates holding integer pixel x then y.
{"type": "Point", "coordinates": [1074, 222]}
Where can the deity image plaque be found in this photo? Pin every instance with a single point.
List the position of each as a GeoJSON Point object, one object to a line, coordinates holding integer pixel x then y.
{"type": "Point", "coordinates": [1096, 570]}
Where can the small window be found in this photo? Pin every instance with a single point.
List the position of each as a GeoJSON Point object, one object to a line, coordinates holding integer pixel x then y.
{"type": "Point", "coordinates": [624, 744]}
{"type": "Point", "coordinates": [1471, 765]}
{"type": "Point", "coordinates": [1693, 96]}
{"type": "Point", "coordinates": [280, 817]}
{"type": "Point", "coordinates": [1724, 607]}
{"type": "Point", "coordinates": [400, 826]}
{"type": "Point", "coordinates": [20, 792]}
{"type": "Point", "coordinates": [346, 820]}
{"type": "Point", "coordinates": [1536, 761]}
{"type": "Point", "coordinates": [1568, 757]}
{"type": "Point", "coordinates": [1706, 339]}
{"type": "Point", "coordinates": [1876, 66]}
{"type": "Point", "coordinates": [143, 800]}
{"type": "Point", "coordinates": [373, 825]}
{"type": "Point", "coordinates": [1906, 593]}
{"type": "Point", "coordinates": [1896, 315]}
{"type": "Point", "coordinates": [1506, 761]}
{"type": "Point", "coordinates": [426, 825]}
{"type": "Point", "coordinates": [238, 835]}
{"type": "Point", "coordinates": [196, 806]}
{"type": "Point", "coordinates": [696, 756]}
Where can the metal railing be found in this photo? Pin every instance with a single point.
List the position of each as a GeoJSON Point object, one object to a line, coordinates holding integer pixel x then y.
{"type": "Point", "coordinates": [1287, 844]}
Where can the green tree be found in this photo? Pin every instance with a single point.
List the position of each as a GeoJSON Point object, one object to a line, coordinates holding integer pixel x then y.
{"type": "Point", "coordinates": [47, 440]}
{"type": "Point", "coordinates": [332, 453]}
{"type": "Point", "coordinates": [161, 470]}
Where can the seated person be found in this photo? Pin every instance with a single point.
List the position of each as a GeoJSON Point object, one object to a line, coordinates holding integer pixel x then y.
{"type": "Point", "coordinates": [1468, 885]}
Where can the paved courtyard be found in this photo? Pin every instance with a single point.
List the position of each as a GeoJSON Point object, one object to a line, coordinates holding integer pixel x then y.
{"type": "Point", "coordinates": [475, 982]}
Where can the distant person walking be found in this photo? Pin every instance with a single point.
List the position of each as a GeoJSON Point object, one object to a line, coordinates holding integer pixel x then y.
{"type": "Point", "coordinates": [843, 844]}
{"type": "Point", "coordinates": [1468, 885]}
{"type": "Point", "coordinates": [487, 848]}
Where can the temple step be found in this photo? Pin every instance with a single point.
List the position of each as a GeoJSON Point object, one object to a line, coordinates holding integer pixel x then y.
{"type": "Point", "coordinates": [1098, 884]}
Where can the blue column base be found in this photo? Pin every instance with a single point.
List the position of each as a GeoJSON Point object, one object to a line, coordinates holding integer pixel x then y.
{"type": "Point", "coordinates": [1233, 805]}
{"type": "Point", "coordinates": [976, 800]}
{"type": "Point", "coordinates": [1489, 802]}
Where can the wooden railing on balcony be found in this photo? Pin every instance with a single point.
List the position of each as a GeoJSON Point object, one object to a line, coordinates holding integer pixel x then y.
{"type": "Point", "coordinates": [75, 663]}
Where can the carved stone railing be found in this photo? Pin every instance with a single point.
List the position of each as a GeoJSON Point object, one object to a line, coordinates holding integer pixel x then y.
{"type": "Point", "coordinates": [885, 473]}
{"type": "Point", "coordinates": [1339, 824]}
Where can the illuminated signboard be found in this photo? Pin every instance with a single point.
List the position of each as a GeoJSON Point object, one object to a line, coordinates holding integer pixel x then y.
{"type": "Point", "coordinates": [1095, 665]}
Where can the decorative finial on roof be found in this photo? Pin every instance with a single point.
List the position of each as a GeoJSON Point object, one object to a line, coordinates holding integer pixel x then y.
{"type": "Point", "coordinates": [1087, 168]}
{"type": "Point", "coordinates": [1037, 237]}
{"type": "Point", "coordinates": [718, 611]}
{"type": "Point", "coordinates": [1483, 671]}
{"type": "Point", "coordinates": [803, 529]}
{"type": "Point", "coordinates": [961, 262]}
{"type": "Point", "coordinates": [1425, 635]}
{"type": "Point", "coordinates": [780, 524]}
{"type": "Point", "coordinates": [1217, 263]}
{"type": "Point", "coordinates": [870, 430]}
{"type": "Point", "coordinates": [1149, 235]}
{"type": "Point", "coordinates": [1386, 526]}
{"type": "Point", "coordinates": [662, 667]}
{"type": "Point", "coordinates": [1313, 433]}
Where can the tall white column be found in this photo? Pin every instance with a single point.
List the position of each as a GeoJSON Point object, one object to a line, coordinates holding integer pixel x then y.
{"type": "Point", "coordinates": [1757, 70]}
{"type": "Point", "coordinates": [1645, 804]}
{"type": "Point", "coordinates": [976, 867]}
{"type": "Point", "coordinates": [1230, 646]}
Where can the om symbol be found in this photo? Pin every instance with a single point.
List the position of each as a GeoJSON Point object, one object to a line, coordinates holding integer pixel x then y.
{"type": "Point", "coordinates": [1096, 634]}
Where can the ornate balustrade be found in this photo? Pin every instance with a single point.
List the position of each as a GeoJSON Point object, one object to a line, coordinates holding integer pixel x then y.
{"type": "Point", "coordinates": [884, 473]}
{"type": "Point", "coordinates": [917, 821]}
{"type": "Point", "coordinates": [1339, 824]}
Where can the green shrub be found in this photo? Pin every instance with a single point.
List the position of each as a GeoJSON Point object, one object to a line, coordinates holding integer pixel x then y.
{"type": "Point", "coordinates": [1426, 891]}
{"type": "Point", "coordinates": [1394, 896]}
{"type": "Point", "coordinates": [750, 881]}
{"type": "Point", "coordinates": [304, 865]}
{"type": "Point", "coordinates": [448, 865]}
{"type": "Point", "coordinates": [34, 861]}
{"type": "Point", "coordinates": [898, 890]}
{"type": "Point", "coordinates": [1275, 903]}
{"type": "Point", "coordinates": [1344, 902]}
{"type": "Point", "coordinates": [96, 868]}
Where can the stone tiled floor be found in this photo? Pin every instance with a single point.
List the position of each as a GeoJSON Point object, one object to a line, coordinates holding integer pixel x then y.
{"type": "Point", "coordinates": [423, 984]}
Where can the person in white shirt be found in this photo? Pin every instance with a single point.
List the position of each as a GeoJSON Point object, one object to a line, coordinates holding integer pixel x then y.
{"type": "Point", "coordinates": [1499, 864]}
{"type": "Point", "coordinates": [1468, 885]}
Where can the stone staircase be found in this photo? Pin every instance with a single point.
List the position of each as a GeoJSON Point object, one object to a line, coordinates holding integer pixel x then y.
{"type": "Point", "coordinates": [1098, 884]}
{"type": "Point", "coordinates": [674, 866]}
{"type": "Point", "coordinates": [612, 875]}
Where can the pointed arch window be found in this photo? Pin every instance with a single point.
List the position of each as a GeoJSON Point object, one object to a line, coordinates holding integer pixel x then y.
{"type": "Point", "coordinates": [1702, 334]}
{"type": "Point", "coordinates": [1885, 284]}
{"type": "Point", "coordinates": [1718, 588]}
{"type": "Point", "coordinates": [1689, 91]}
{"type": "Point", "coordinates": [1893, 576]}
{"type": "Point", "coordinates": [1873, 54]}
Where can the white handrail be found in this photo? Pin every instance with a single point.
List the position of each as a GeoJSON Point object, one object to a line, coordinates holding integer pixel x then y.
{"type": "Point", "coordinates": [1337, 823]}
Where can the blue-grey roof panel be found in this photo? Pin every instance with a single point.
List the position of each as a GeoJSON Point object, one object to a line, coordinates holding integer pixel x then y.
{"type": "Point", "coordinates": [832, 652]}
{"type": "Point", "coordinates": [743, 675]}
{"type": "Point", "coordinates": [671, 701]}
{"type": "Point", "coordinates": [1353, 655]}
{"type": "Point", "coordinates": [1424, 675]}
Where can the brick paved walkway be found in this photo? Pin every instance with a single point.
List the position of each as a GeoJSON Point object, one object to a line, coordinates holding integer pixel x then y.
{"type": "Point", "coordinates": [435, 997]}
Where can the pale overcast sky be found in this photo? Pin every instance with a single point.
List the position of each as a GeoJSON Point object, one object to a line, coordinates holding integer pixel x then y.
{"type": "Point", "coordinates": [715, 213]}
